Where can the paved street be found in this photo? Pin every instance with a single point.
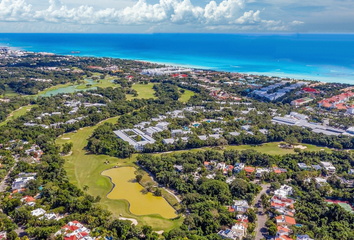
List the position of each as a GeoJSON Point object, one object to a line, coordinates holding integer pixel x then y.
{"type": "Point", "coordinates": [3, 184]}
{"type": "Point", "coordinates": [261, 216]}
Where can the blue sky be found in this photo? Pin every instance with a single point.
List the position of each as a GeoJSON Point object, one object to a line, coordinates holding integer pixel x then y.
{"type": "Point", "coordinates": [148, 16]}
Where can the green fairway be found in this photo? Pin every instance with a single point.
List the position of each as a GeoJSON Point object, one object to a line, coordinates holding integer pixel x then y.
{"type": "Point", "coordinates": [186, 95]}
{"type": "Point", "coordinates": [103, 83]}
{"type": "Point", "coordinates": [17, 113]}
{"type": "Point", "coordinates": [144, 91]}
{"type": "Point", "coordinates": [85, 169]}
{"type": "Point", "coordinates": [267, 148]}
{"type": "Point", "coordinates": [273, 148]}
{"type": "Point", "coordinates": [10, 93]}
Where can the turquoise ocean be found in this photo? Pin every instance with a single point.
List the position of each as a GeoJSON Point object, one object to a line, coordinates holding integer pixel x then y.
{"type": "Point", "coordinates": [323, 57]}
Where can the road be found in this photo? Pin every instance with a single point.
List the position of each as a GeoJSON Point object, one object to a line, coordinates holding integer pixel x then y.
{"type": "Point", "coordinates": [261, 216]}
{"type": "Point", "coordinates": [3, 184]}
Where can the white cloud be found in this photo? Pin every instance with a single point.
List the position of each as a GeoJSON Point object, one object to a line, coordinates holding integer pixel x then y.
{"type": "Point", "coordinates": [296, 23]}
{"type": "Point", "coordinates": [14, 10]}
{"type": "Point", "coordinates": [227, 13]}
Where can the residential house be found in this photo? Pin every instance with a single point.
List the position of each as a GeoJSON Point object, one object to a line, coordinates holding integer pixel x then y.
{"type": "Point", "coordinates": [249, 170]}
{"type": "Point", "coordinates": [239, 167]}
{"type": "Point", "coordinates": [283, 220]}
{"type": "Point", "coordinates": [329, 167]}
{"type": "Point", "coordinates": [22, 180]}
{"type": "Point", "coordinates": [303, 237]}
{"type": "Point", "coordinates": [228, 234]}
{"type": "Point", "coordinates": [284, 191]}
{"type": "Point", "coordinates": [239, 206]}
{"type": "Point", "coordinates": [38, 212]}
{"type": "Point", "coordinates": [3, 235]}
{"type": "Point", "coordinates": [261, 171]}
{"type": "Point", "coordinates": [303, 166]}
{"type": "Point", "coordinates": [75, 231]}
{"type": "Point", "coordinates": [246, 127]}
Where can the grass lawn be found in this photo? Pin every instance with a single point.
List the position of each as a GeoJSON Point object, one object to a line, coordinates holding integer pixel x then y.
{"type": "Point", "coordinates": [186, 95]}
{"type": "Point", "coordinates": [267, 148]}
{"type": "Point", "coordinates": [17, 113]}
{"type": "Point", "coordinates": [104, 83]}
{"type": "Point", "coordinates": [10, 93]}
{"type": "Point", "coordinates": [273, 149]}
{"type": "Point", "coordinates": [144, 91]}
{"type": "Point", "coordinates": [85, 169]}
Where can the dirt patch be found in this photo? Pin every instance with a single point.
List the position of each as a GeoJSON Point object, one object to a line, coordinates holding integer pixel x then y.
{"type": "Point", "coordinates": [65, 138]}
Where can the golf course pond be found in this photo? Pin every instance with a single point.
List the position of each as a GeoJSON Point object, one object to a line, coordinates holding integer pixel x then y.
{"type": "Point", "coordinates": [67, 89]}
{"type": "Point", "coordinates": [126, 187]}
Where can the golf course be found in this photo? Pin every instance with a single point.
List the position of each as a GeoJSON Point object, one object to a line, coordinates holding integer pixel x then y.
{"type": "Point", "coordinates": [90, 170]}
{"type": "Point", "coordinates": [144, 91]}
{"type": "Point", "coordinates": [17, 113]}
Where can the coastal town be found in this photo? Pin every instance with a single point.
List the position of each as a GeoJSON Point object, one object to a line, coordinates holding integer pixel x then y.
{"type": "Point", "coordinates": [102, 148]}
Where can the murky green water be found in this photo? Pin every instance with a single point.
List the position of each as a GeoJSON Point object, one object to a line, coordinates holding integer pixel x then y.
{"type": "Point", "coordinates": [140, 204]}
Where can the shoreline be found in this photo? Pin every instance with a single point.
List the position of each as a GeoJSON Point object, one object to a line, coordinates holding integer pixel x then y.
{"type": "Point", "coordinates": [282, 74]}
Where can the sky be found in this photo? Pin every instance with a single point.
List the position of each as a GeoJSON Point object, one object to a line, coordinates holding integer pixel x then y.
{"type": "Point", "coordinates": [177, 16]}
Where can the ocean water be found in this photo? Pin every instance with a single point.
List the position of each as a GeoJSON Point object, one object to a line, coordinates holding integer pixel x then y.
{"type": "Point", "coordinates": [324, 57]}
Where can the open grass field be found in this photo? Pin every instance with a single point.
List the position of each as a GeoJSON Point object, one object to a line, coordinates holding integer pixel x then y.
{"type": "Point", "coordinates": [17, 113]}
{"type": "Point", "coordinates": [103, 83]}
{"type": "Point", "coordinates": [273, 148]}
{"type": "Point", "coordinates": [144, 91]}
{"type": "Point", "coordinates": [186, 96]}
{"type": "Point", "coordinates": [267, 148]}
{"type": "Point", "coordinates": [9, 92]}
{"type": "Point", "coordinates": [85, 169]}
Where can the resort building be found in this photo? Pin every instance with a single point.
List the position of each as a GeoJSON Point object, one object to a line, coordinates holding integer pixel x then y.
{"type": "Point", "coordinates": [135, 138]}
{"type": "Point", "coordinates": [301, 101]}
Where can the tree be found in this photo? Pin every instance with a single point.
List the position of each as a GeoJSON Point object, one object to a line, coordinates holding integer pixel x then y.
{"type": "Point", "coordinates": [272, 230]}
{"type": "Point", "coordinates": [67, 147]}
{"type": "Point", "coordinates": [158, 192]}
{"type": "Point", "coordinates": [138, 177]}
{"type": "Point", "coordinates": [291, 140]}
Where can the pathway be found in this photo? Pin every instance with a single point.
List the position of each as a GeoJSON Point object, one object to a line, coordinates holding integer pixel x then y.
{"type": "Point", "coordinates": [177, 198]}
{"type": "Point", "coordinates": [261, 216]}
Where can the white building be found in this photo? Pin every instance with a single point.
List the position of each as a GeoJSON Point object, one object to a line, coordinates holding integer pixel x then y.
{"type": "Point", "coordinates": [131, 136]}
{"type": "Point", "coordinates": [38, 212]}
{"type": "Point", "coordinates": [284, 191]}
{"type": "Point", "coordinates": [22, 180]}
{"type": "Point", "coordinates": [329, 167]}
